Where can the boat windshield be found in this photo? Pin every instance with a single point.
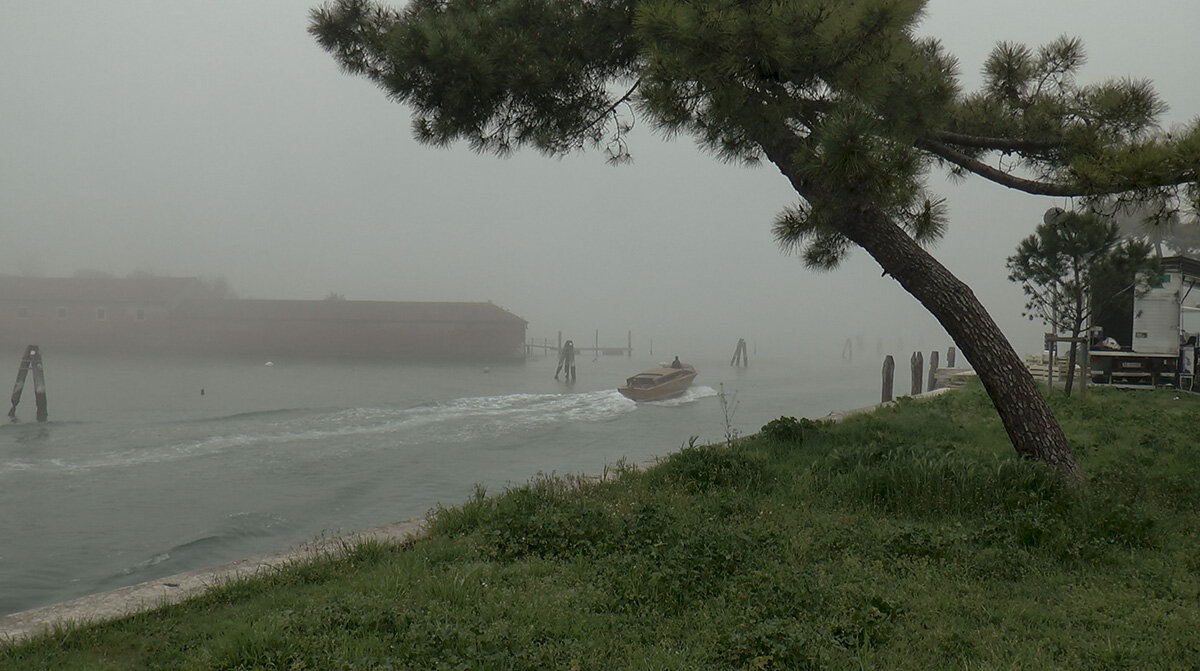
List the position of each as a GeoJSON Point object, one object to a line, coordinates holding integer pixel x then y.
{"type": "Point", "coordinates": [644, 380]}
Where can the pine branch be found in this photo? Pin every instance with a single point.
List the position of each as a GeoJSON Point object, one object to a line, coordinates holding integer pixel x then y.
{"type": "Point", "coordinates": [999, 176]}
{"type": "Point", "coordinates": [994, 143]}
{"type": "Point", "coordinates": [611, 108]}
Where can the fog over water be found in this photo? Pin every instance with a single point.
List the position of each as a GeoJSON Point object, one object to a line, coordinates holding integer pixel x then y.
{"type": "Point", "coordinates": [214, 138]}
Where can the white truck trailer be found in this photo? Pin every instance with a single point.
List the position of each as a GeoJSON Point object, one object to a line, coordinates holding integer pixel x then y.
{"type": "Point", "coordinates": [1156, 331]}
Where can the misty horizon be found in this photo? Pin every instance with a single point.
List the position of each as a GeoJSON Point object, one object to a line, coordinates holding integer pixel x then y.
{"type": "Point", "coordinates": [216, 139]}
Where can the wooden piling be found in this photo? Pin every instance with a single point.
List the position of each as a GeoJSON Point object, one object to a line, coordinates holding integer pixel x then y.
{"type": "Point", "coordinates": [1085, 369]}
{"type": "Point", "coordinates": [740, 357]}
{"type": "Point", "coordinates": [31, 361]}
{"type": "Point", "coordinates": [1051, 346]}
{"type": "Point", "coordinates": [889, 376]}
{"type": "Point", "coordinates": [566, 361]}
{"type": "Point", "coordinates": [933, 368]}
{"type": "Point", "coordinates": [916, 363]}
{"type": "Point", "coordinates": [950, 357]}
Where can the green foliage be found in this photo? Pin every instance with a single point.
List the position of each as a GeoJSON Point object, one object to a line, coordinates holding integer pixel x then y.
{"type": "Point", "coordinates": [700, 468]}
{"type": "Point", "coordinates": [500, 75]}
{"type": "Point", "coordinates": [788, 430]}
{"type": "Point", "coordinates": [1066, 258]}
{"type": "Point", "coordinates": [549, 518]}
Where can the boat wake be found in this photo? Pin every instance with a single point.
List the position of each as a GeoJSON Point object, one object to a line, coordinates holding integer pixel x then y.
{"type": "Point", "coordinates": [335, 431]}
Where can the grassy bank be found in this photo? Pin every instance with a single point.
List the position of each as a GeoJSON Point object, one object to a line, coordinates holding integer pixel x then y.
{"type": "Point", "coordinates": [912, 538]}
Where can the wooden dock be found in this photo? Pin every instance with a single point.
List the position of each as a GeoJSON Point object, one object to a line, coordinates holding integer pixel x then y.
{"type": "Point", "coordinates": [546, 346]}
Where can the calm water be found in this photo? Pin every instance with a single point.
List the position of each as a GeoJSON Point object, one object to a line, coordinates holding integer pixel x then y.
{"type": "Point", "coordinates": [137, 475]}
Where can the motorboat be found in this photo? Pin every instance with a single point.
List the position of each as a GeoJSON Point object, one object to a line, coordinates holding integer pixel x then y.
{"type": "Point", "coordinates": [659, 383]}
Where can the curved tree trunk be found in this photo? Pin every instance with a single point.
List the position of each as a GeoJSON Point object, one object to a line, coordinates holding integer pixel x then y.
{"type": "Point", "coordinates": [1031, 427]}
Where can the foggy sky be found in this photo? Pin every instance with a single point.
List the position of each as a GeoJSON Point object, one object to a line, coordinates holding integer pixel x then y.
{"type": "Point", "coordinates": [214, 138]}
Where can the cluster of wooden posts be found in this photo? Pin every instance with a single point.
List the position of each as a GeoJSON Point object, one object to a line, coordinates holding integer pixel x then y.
{"type": "Point", "coordinates": [32, 361]}
{"type": "Point", "coordinates": [938, 376]}
{"type": "Point", "coordinates": [566, 361]}
{"type": "Point", "coordinates": [546, 346]}
{"type": "Point", "coordinates": [740, 357]}
{"type": "Point", "coordinates": [567, 351]}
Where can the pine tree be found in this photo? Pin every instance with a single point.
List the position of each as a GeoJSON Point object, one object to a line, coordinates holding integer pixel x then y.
{"type": "Point", "coordinates": [1073, 266]}
{"type": "Point", "coordinates": [841, 97]}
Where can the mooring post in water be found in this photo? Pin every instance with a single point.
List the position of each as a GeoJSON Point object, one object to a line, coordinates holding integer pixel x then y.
{"type": "Point", "coordinates": [950, 357]}
{"type": "Point", "coordinates": [917, 362]}
{"type": "Point", "coordinates": [740, 357]}
{"type": "Point", "coordinates": [566, 361]}
{"type": "Point", "coordinates": [19, 386]}
{"type": "Point", "coordinates": [31, 361]}
{"type": "Point", "coordinates": [889, 376]}
{"type": "Point", "coordinates": [1051, 346]}
{"type": "Point", "coordinates": [933, 368]}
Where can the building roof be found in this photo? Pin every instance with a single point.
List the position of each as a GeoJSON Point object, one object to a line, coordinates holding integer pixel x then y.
{"type": "Point", "coordinates": [346, 311]}
{"type": "Point", "coordinates": [188, 298]}
{"type": "Point", "coordinates": [99, 290]}
{"type": "Point", "coordinates": [1185, 264]}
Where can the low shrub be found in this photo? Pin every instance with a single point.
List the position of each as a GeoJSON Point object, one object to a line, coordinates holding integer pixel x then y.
{"type": "Point", "coordinates": [788, 430]}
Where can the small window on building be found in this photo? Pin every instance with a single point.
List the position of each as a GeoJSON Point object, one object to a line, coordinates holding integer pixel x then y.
{"type": "Point", "coordinates": [23, 313]}
{"type": "Point", "coordinates": [62, 313]}
{"type": "Point", "coordinates": [100, 314]}
{"type": "Point", "coordinates": [140, 315]}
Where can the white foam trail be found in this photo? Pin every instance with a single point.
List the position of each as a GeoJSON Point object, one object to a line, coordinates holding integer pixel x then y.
{"type": "Point", "coordinates": [457, 420]}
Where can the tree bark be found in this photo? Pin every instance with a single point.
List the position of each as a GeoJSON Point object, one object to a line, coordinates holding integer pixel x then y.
{"type": "Point", "coordinates": [1069, 383]}
{"type": "Point", "coordinates": [1031, 427]}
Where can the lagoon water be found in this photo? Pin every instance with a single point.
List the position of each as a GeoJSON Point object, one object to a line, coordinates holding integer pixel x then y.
{"type": "Point", "coordinates": [138, 475]}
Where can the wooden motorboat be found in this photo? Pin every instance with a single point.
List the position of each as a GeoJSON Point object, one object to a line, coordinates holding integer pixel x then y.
{"type": "Point", "coordinates": [658, 383]}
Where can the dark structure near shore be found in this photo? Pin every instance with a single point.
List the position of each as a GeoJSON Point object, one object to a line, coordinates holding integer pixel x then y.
{"type": "Point", "coordinates": [182, 316]}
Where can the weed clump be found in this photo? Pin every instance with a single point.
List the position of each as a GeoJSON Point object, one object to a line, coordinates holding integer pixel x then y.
{"type": "Point", "coordinates": [788, 430]}
{"type": "Point", "coordinates": [701, 468]}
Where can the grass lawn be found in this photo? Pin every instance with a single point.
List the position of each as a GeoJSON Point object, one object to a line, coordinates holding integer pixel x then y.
{"type": "Point", "coordinates": [911, 538]}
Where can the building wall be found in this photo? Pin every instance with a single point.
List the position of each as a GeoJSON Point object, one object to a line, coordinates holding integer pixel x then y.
{"type": "Point", "coordinates": [89, 327]}
{"type": "Point", "coordinates": [387, 339]}
{"type": "Point", "coordinates": [140, 315]}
